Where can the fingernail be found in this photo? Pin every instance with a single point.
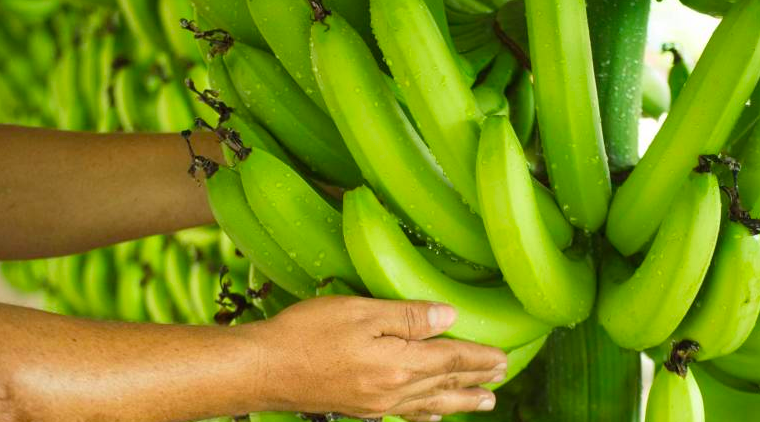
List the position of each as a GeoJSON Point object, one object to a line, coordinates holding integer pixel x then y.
{"type": "Point", "coordinates": [435, 418]}
{"type": "Point", "coordinates": [485, 405]}
{"type": "Point", "coordinates": [498, 378]}
{"type": "Point", "coordinates": [500, 367]}
{"type": "Point", "coordinates": [441, 316]}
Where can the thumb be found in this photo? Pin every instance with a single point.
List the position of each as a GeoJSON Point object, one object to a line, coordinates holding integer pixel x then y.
{"type": "Point", "coordinates": [414, 320]}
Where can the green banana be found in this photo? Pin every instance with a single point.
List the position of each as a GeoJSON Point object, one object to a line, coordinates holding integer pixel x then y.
{"type": "Point", "coordinates": [111, 47]}
{"type": "Point", "coordinates": [522, 107]}
{"type": "Point", "coordinates": [728, 305]}
{"type": "Point", "coordinates": [20, 276]}
{"type": "Point", "coordinates": [723, 403]}
{"type": "Point", "coordinates": [618, 31]}
{"type": "Point", "coordinates": [433, 85]}
{"type": "Point", "coordinates": [201, 285]}
{"type": "Point", "coordinates": [142, 19]}
{"type": "Point", "coordinates": [198, 74]}
{"type": "Point", "coordinates": [336, 287]}
{"type": "Point", "coordinates": [656, 93]}
{"type": "Point", "coordinates": [394, 160]}
{"type": "Point", "coordinates": [89, 65]}
{"type": "Point", "coordinates": [642, 309]}
{"type": "Point", "coordinates": [747, 122]}
{"type": "Point", "coordinates": [158, 302]}
{"type": "Point", "coordinates": [459, 270]}
{"type": "Point", "coordinates": [472, 63]}
{"type": "Point", "coordinates": [65, 93]}
{"type": "Point", "coordinates": [275, 99]}
{"type": "Point", "coordinates": [568, 110]}
{"type": "Point", "coordinates": [679, 72]}
{"type": "Point", "coordinates": [749, 177]}
{"type": "Point", "coordinates": [130, 303]}
{"type": "Point", "coordinates": [70, 283]}
{"type": "Point", "coordinates": [99, 280]}
{"type": "Point", "coordinates": [552, 287]}
{"type": "Point", "coordinates": [674, 398]}
{"type": "Point", "coordinates": [490, 94]}
{"type": "Point", "coordinates": [742, 364]}
{"type": "Point", "coordinates": [176, 273]}
{"type": "Point", "coordinates": [297, 217]}
{"type": "Point", "coordinates": [272, 299]}
{"type": "Point", "coordinates": [41, 49]}
{"type": "Point", "coordinates": [31, 11]}
{"type": "Point", "coordinates": [226, 197]}
{"type": "Point", "coordinates": [181, 42]}
{"type": "Point", "coordinates": [391, 268]}
{"type": "Point", "coordinates": [151, 253]}
{"type": "Point", "coordinates": [203, 240]}
{"type": "Point", "coordinates": [710, 7]}
{"type": "Point", "coordinates": [130, 98]}
{"type": "Point", "coordinates": [699, 123]}
{"type": "Point", "coordinates": [233, 17]}
{"type": "Point", "coordinates": [470, 6]}
{"type": "Point", "coordinates": [231, 257]}
{"type": "Point", "coordinates": [173, 109]}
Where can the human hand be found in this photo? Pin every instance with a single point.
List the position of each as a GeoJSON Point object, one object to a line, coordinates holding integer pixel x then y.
{"type": "Point", "coordinates": [368, 358]}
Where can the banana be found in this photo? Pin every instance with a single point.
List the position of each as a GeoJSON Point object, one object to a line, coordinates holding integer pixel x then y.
{"type": "Point", "coordinates": [699, 123]}
{"type": "Point", "coordinates": [285, 24]}
{"type": "Point", "coordinates": [89, 65]}
{"type": "Point", "coordinates": [198, 75]}
{"type": "Point", "coordinates": [728, 305]}
{"type": "Point", "coordinates": [655, 93]}
{"type": "Point", "coordinates": [336, 287]}
{"type": "Point", "coordinates": [201, 285]}
{"type": "Point", "coordinates": [742, 364]}
{"type": "Point", "coordinates": [65, 93]}
{"type": "Point", "coordinates": [231, 257]}
{"type": "Point", "coordinates": [522, 107]}
{"type": "Point", "coordinates": [31, 11]}
{"type": "Point", "coordinates": [130, 304]}
{"type": "Point", "coordinates": [173, 109]}
{"type": "Point", "coordinates": [99, 284]}
{"type": "Point", "coordinates": [472, 63]}
{"type": "Point", "coordinates": [275, 99]}
{"type": "Point", "coordinates": [251, 133]}
{"type": "Point", "coordinates": [70, 283]}
{"type": "Point", "coordinates": [158, 302]}
{"type": "Point", "coordinates": [125, 252]}
{"type": "Point", "coordinates": [723, 403]}
{"type": "Point", "coordinates": [470, 6]}
{"type": "Point", "coordinates": [459, 270]}
{"type": "Point", "coordinates": [643, 309]}
{"type": "Point", "coordinates": [297, 217]}
{"type": "Point", "coordinates": [391, 268]}
{"type": "Point", "coordinates": [749, 177]}
{"type": "Point", "coordinates": [151, 253]}
{"type": "Point", "coordinates": [710, 7]}
{"type": "Point", "coordinates": [568, 110]}
{"type": "Point", "coordinates": [679, 72]}
{"type": "Point", "coordinates": [20, 276]}
{"type": "Point", "coordinates": [182, 44]}
{"type": "Point", "coordinates": [226, 197]}
{"type": "Point", "coordinates": [747, 122]}
{"type": "Point", "coordinates": [472, 37]}
{"type": "Point", "coordinates": [111, 47]}
{"type": "Point", "coordinates": [271, 298]}
{"type": "Point", "coordinates": [675, 398]}
{"type": "Point", "coordinates": [552, 287]}
{"type": "Point", "coordinates": [176, 266]}
{"type": "Point", "coordinates": [142, 19]}
{"type": "Point", "coordinates": [130, 98]}
{"type": "Point", "coordinates": [394, 160]}
{"type": "Point", "coordinates": [490, 93]}
{"type": "Point", "coordinates": [618, 33]}
{"type": "Point", "coordinates": [435, 90]}
{"type": "Point", "coordinates": [233, 17]}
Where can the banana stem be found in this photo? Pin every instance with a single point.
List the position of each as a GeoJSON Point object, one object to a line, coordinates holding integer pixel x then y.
{"type": "Point", "coordinates": [586, 377]}
{"type": "Point", "coordinates": [618, 31]}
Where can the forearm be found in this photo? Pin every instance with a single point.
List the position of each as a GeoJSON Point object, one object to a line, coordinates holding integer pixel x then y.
{"type": "Point", "coordinates": [72, 192]}
{"type": "Point", "coordinates": [57, 368]}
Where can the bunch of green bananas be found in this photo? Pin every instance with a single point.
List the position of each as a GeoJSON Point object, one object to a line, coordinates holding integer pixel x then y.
{"type": "Point", "coordinates": [482, 153]}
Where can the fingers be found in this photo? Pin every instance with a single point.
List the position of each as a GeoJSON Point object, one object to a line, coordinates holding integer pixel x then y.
{"type": "Point", "coordinates": [448, 402]}
{"type": "Point", "coordinates": [454, 381]}
{"type": "Point", "coordinates": [413, 320]}
{"type": "Point", "coordinates": [445, 356]}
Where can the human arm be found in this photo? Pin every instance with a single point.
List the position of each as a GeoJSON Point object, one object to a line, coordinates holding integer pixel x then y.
{"type": "Point", "coordinates": [67, 192]}
{"type": "Point", "coordinates": [356, 356]}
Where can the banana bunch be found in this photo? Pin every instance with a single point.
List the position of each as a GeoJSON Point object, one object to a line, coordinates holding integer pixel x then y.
{"type": "Point", "coordinates": [482, 153]}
